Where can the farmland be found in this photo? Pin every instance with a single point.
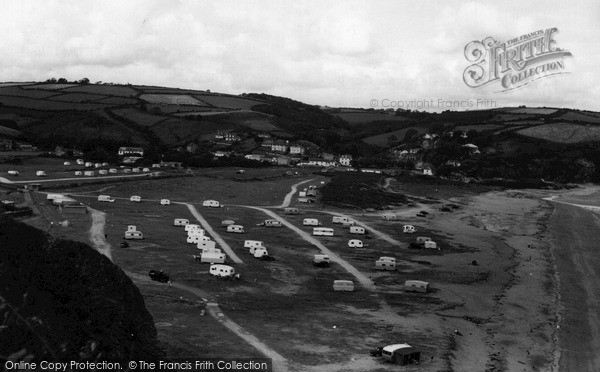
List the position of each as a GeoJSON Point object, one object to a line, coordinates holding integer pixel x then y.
{"type": "Point", "coordinates": [229, 102]}
{"type": "Point", "coordinates": [139, 117]}
{"type": "Point", "coordinates": [108, 90]}
{"type": "Point", "coordinates": [171, 99]}
{"type": "Point", "coordinates": [366, 117]}
{"type": "Point", "coordinates": [563, 133]}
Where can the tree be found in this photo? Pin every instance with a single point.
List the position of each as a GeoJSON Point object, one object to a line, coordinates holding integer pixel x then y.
{"type": "Point", "coordinates": [84, 81]}
{"type": "Point", "coordinates": [62, 81]}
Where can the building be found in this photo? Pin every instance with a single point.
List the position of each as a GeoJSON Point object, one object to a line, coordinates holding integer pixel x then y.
{"type": "Point", "coordinates": [220, 154]}
{"type": "Point", "coordinates": [26, 147]}
{"type": "Point", "coordinates": [318, 162]}
{"type": "Point", "coordinates": [192, 148]}
{"type": "Point", "coordinates": [280, 146]}
{"type": "Point", "coordinates": [427, 171]}
{"type": "Point", "coordinates": [346, 160]}
{"type": "Point", "coordinates": [170, 164]}
{"type": "Point", "coordinates": [327, 156]}
{"type": "Point", "coordinates": [219, 136]}
{"type": "Point", "coordinates": [6, 145]}
{"type": "Point", "coordinates": [297, 150]}
{"type": "Point", "coordinates": [124, 151]}
{"type": "Point", "coordinates": [257, 157]}
{"type": "Point", "coordinates": [268, 142]}
{"type": "Point", "coordinates": [264, 135]}
{"type": "Point", "coordinates": [232, 137]}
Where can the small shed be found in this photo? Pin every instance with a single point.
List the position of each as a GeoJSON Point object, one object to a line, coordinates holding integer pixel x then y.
{"type": "Point", "coordinates": [416, 286]}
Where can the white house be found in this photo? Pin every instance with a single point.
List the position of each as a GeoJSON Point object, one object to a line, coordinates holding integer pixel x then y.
{"type": "Point", "coordinates": [345, 160]}
{"type": "Point", "coordinates": [124, 151]}
{"type": "Point", "coordinates": [297, 149]}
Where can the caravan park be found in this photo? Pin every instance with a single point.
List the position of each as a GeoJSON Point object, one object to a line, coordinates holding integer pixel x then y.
{"type": "Point", "coordinates": [324, 285]}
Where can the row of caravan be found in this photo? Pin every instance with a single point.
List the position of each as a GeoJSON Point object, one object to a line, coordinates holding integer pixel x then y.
{"type": "Point", "coordinates": [409, 286]}
{"type": "Point", "coordinates": [328, 231]}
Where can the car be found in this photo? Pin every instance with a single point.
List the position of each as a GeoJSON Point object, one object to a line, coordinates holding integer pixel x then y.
{"type": "Point", "coordinates": [445, 209]}
{"type": "Point", "coordinates": [124, 244]}
{"type": "Point", "coordinates": [376, 352]}
{"type": "Point", "coordinates": [158, 276]}
{"type": "Point", "coordinates": [414, 245]}
{"type": "Point", "coordinates": [321, 264]}
{"type": "Point", "coordinates": [421, 214]}
{"type": "Point", "coordinates": [266, 258]}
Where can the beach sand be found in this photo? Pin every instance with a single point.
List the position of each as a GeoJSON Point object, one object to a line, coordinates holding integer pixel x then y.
{"type": "Point", "coordinates": [538, 309]}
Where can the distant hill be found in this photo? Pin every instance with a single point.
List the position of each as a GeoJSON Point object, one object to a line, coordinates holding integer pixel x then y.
{"type": "Point", "coordinates": [160, 119]}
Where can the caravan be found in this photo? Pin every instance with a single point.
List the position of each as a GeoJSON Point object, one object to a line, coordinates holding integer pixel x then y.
{"type": "Point", "coordinates": [40, 173]}
{"type": "Point", "coordinates": [272, 223]}
{"type": "Point", "coordinates": [253, 243]}
{"type": "Point", "coordinates": [355, 243]}
{"type": "Point", "coordinates": [192, 227]}
{"type": "Point", "coordinates": [135, 198]}
{"type": "Point", "coordinates": [206, 244]}
{"type": "Point", "coordinates": [390, 217]}
{"type": "Point", "coordinates": [222, 271]}
{"type": "Point", "coordinates": [311, 222]}
{"type": "Point", "coordinates": [239, 229]}
{"type": "Point", "coordinates": [343, 285]}
{"type": "Point", "coordinates": [322, 231]}
{"type": "Point", "coordinates": [357, 230]}
{"type": "Point", "coordinates": [321, 260]}
{"type": "Point", "coordinates": [88, 173]}
{"type": "Point", "coordinates": [416, 286]}
{"type": "Point", "coordinates": [408, 229]}
{"type": "Point", "coordinates": [385, 263]}
{"type": "Point", "coordinates": [211, 203]}
{"type": "Point", "coordinates": [211, 257]}
{"type": "Point", "coordinates": [181, 222]}
{"type": "Point", "coordinates": [291, 210]}
{"type": "Point", "coordinates": [196, 239]}
{"type": "Point", "coordinates": [134, 235]}
{"type": "Point", "coordinates": [13, 172]}
{"type": "Point", "coordinates": [106, 198]}
{"type": "Point", "coordinates": [260, 252]}
{"type": "Point", "coordinates": [340, 219]}
{"type": "Point", "coordinates": [165, 202]}
{"type": "Point", "coordinates": [431, 245]}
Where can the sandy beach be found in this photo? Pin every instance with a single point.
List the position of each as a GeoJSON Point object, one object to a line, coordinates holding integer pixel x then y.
{"type": "Point", "coordinates": [538, 307]}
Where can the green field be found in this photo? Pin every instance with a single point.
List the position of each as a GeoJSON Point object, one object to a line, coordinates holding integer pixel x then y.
{"type": "Point", "coordinates": [108, 90]}
{"type": "Point", "coordinates": [229, 102]}
{"type": "Point", "coordinates": [367, 117]}
{"type": "Point", "coordinates": [171, 99]}
{"type": "Point", "coordinates": [138, 116]}
{"type": "Point", "coordinates": [563, 133]}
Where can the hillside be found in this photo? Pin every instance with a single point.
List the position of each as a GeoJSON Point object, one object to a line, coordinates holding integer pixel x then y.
{"type": "Point", "coordinates": [165, 120]}
{"type": "Point", "coordinates": [62, 299]}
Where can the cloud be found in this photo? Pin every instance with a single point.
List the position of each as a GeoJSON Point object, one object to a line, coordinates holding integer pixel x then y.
{"type": "Point", "coordinates": [328, 52]}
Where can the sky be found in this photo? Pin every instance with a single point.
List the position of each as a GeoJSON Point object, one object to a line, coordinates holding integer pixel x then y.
{"type": "Point", "coordinates": [382, 53]}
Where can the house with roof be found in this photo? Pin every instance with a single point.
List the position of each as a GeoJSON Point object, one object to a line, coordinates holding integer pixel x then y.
{"type": "Point", "coordinates": [345, 160]}
{"type": "Point", "coordinates": [257, 157]}
{"type": "Point", "coordinates": [232, 137]}
{"type": "Point", "coordinates": [297, 149]}
{"type": "Point", "coordinates": [280, 146]}
{"type": "Point", "coordinates": [125, 151]}
{"type": "Point", "coordinates": [6, 145]}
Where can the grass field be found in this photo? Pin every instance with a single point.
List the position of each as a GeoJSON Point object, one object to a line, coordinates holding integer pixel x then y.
{"type": "Point", "coordinates": [77, 97]}
{"type": "Point", "coordinates": [367, 117]}
{"type": "Point", "coordinates": [30, 93]}
{"type": "Point", "coordinates": [478, 128]}
{"type": "Point", "coordinates": [49, 86]}
{"type": "Point", "coordinates": [383, 139]}
{"type": "Point", "coordinates": [532, 111]}
{"type": "Point", "coordinates": [117, 101]}
{"type": "Point", "coordinates": [575, 116]}
{"type": "Point", "coordinates": [181, 131]}
{"type": "Point", "coordinates": [563, 132]}
{"type": "Point", "coordinates": [108, 90]}
{"type": "Point", "coordinates": [138, 116]}
{"type": "Point", "coordinates": [36, 104]}
{"type": "Point", "coordinates": [229, 102]}
{"type": "Point", "coordinates": [171, 99]}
